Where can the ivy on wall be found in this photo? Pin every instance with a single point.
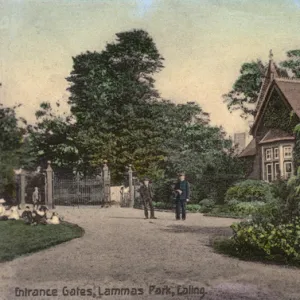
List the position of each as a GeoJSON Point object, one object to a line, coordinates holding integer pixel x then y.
{"type": "Point", "coordinates": [279, 116]}
{"type": "Point", "coordinates": [297, 147]}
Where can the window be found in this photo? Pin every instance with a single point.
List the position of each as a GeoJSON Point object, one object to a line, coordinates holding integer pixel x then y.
{"type": "Point", "coordinates": [276, 153]}
{"type": "Point", "coordinates": [268, 154]}
{"type": "Point", "coordinates": [287, 152]}
{"type": "Point", "coordinates": [287, 169]}
{"type": "Point", "coordinates": [269, 172]}
{"type": "Point", "coordinates": [276, 171]}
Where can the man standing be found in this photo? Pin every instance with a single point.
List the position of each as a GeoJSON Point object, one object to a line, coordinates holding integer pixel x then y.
{"type": "Point", "coordinates": [182, 189]}
{"type": "Point", "coordinates": [146, 193]}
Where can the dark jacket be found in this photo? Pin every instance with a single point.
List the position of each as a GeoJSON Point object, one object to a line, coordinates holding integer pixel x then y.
{"type": "Point", "coordinates": [146, 192]}
{"type": "Point", "coordinates": [184, 186]}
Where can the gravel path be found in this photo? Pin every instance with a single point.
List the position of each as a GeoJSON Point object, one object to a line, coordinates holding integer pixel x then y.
{"type": "Point", "coordinates": [122, 250]}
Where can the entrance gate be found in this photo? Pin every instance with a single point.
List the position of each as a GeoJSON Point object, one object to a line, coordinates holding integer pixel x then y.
{"type": "Point", "coordinates": [78, 191]}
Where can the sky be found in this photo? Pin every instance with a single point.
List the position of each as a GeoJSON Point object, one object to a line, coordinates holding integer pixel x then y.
{"type": "Point", "coordinates": [204, 43]}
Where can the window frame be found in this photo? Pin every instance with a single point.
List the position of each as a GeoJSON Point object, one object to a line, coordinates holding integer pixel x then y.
{"type": "Point", "coordinates": [276, 157]}
{"type": "Point", "coordinates": [268, 150]}
{"type": "Point", "coordinates": [271, 172]}
{"type": "Point", "coordinates": [279, 171]}
{"type": "Point", "coordinates": [284, 168]}
{"type": "Point", "coordinates": [284, 152]}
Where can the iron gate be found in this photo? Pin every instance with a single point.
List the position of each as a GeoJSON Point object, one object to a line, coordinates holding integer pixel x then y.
{"type": "Point", "coordinates": [78, 191]}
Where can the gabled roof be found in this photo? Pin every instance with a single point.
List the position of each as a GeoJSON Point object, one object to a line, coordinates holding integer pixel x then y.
{"type": "Point", "coordinates": [271, 72]}
{"type": "Point", "coordinates": [290, 89]}
{"type": "Point", "coordinates": [250, 150]}
{"type": "Point", "coordinates": [274, 135]}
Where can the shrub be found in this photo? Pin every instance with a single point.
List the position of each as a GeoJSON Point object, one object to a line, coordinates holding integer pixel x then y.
{"type": "Point", "coordinates": [270, 212]}
{"type": "Point", "coordinates": [162, 205]}
{"type": "Point", "coordinates": [268, 239]}
{"type": "Point", "coordinates": [206, 205]}
{"type": "Point", "coordinates": [249, 191]}
{"type": "Point", "coordinates": [207, 202]}
{"type": "Point", "coordinates": [193, 207]}
{"type": "Point", "coordinates": [246, 208]}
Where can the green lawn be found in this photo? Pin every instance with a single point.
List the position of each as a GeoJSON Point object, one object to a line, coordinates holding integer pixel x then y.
{"type": "Point", "coordinates": [18, 239]}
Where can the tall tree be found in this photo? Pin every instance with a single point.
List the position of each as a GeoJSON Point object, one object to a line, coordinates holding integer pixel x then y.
{"type": "Point", "coordinates": [292, 62]}
{"type": "Point", "coordinates": [10, 144]}
{"type": "Point", "coordinates": [245, 90]}
{"type": "Point", "coordinates": [52, 137]}
{"type": "Point", "coordinates": [111, 96]}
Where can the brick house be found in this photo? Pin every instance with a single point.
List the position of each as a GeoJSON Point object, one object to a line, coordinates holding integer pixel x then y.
{"type": "Point", "coordinates": [270, 152]}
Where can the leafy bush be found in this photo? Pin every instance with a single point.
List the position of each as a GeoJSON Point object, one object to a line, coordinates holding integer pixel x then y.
{"type": "Point", "coordinates": [270, 212]}
{"type": "Point", "coordinates": [246, 208]}
{"type": "Point", "coordinates": [206, 205]}
{"type": "Point", "coordinates": [249, 191]}
{"type": "Point", "coordinates": [268, 239]}
{"type": "Point", "coordinates": [232, 203]}
{"type": "Point", "coordinates": [193, 207]}
{"type": "Point", "coordinates": [163, 205]}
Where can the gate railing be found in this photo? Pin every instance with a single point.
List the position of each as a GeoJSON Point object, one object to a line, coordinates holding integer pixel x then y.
{"type": "Point", "coordinates": [57, 190]}
{"type": "Point", "coordinates": [75, 191]}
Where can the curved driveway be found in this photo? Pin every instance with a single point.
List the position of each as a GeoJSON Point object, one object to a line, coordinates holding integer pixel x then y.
{"type": "Point", "coordinates": [122, 250]}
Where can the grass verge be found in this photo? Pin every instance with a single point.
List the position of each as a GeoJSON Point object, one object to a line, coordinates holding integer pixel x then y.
{"type": "Point", "coordinates": [18, 239]}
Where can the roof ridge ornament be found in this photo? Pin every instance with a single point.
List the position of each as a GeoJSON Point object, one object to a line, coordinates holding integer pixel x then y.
{"type": "Point", "coordinates": [271, 54]}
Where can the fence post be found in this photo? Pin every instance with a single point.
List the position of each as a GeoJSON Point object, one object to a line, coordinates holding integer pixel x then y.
{"type": "Point", "coordinates": [49, 172]}
{"type": "Point", "coordinates": [22, 187]}
{"type": "Point", "coordinates": [106, 182]}
{"type": "Point", "coordinates": [131, 188]}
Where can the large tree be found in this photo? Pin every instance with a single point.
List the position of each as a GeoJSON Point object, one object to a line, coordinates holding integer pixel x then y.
{"type": "Point", "coordinates": [111, 97]}
{"type": "Point", "coordinates": [11, 135]}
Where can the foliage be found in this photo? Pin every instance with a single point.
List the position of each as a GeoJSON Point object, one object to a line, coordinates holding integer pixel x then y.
{"type": "Point", "coordinates": [163, 205]}
{"type": "Point", "coordinates": [277, 110]}
{"type": "Point", "coordinates": [249, 191]}
{"type": "Point", "coordinates": [269, 239]}
{"type": "Point", "coordinates": [236, 209]}
{"type": "Point", "coordinates": [193, 207]}
{"type": "Point", "coordinates": [244, 94]}
{"type": "Point", "coordinates": [53, 138]}
{"type": "Point", "coordinates": [10, 146]}
{"type": "Point", "coordinates": [169, 206]}
{"type": "Point", "coordinates": [246, 88]}
{"type": "Point", "coordinates": [206, 205]}
{"type": "Point", "coordinates": [293, 62]}
{"type": "Point", "coordinates": [18, 239]}
{"type": "Point", "coordinates": [118, 115]}
{"type": "Point", "coordinates": [270, 212]}
{"type": "Point", "coordinates": [116, 105]}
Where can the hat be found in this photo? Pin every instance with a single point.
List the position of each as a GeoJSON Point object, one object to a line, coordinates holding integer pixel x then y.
{"type": "Point", "coordinates": [2, 201]}
{"type": "Point", "coordinates": [43, 208]}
